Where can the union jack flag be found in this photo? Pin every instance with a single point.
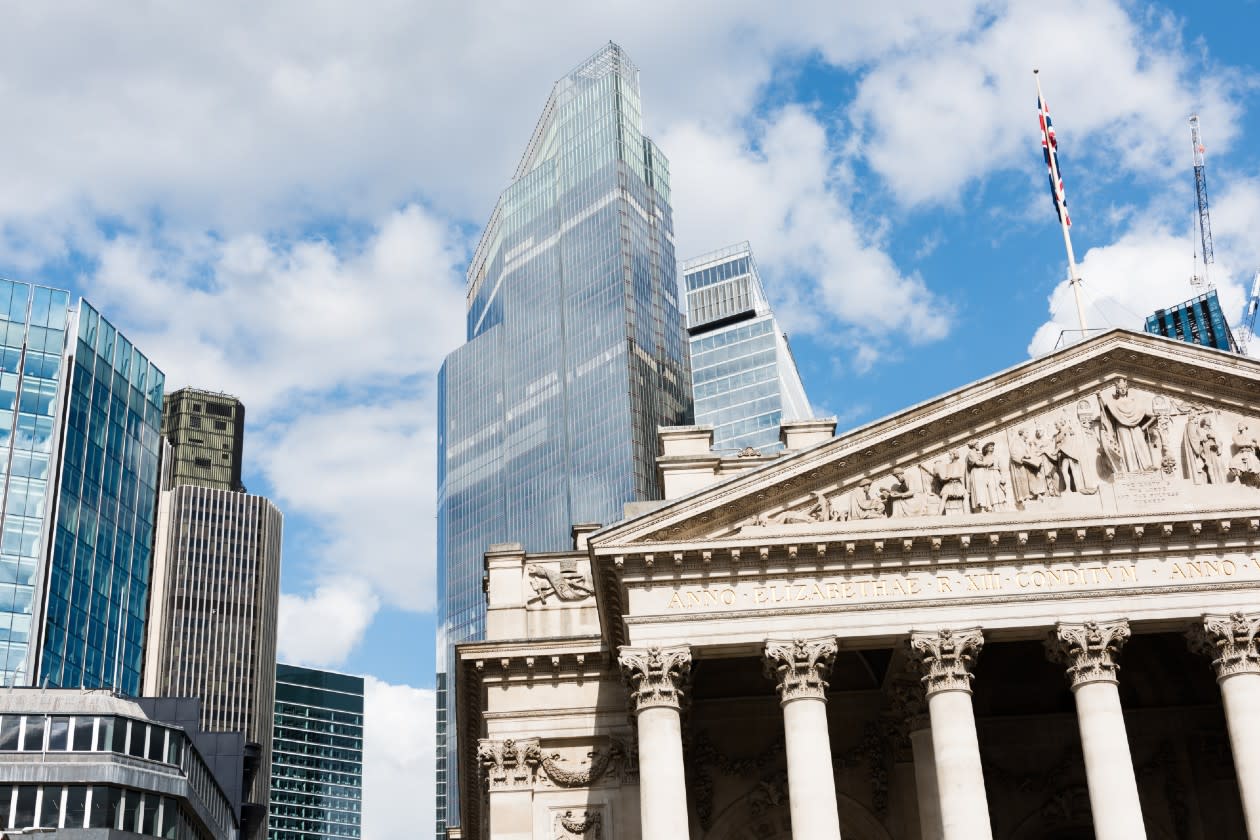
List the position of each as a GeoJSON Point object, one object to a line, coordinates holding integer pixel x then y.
{"type": "Point", "coordinates": [1050, 148]}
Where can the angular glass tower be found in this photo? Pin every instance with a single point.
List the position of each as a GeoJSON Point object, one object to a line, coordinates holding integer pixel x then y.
{"type": "Point", "coordinates": [576, 352]}
{"type": "Point", "coordinates": [80, 410]}
{"type": "Point", "coordinates": [317, 771]}
{"type": "Point", "coordinates": [743, 374]}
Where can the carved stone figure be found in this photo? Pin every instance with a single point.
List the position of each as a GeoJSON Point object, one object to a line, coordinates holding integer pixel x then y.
{"type": "Point", "coordinates": [901, 498]}
{"type": "Point", "coordinates": [865, 503]}
{"type": "Point", "coordinates": [1047, 458]}
{"type": "Point", "coordinates": [1026, 464]}
{"type": "Point", "coordinates": [1202, 451]}
{"type": "Point", "coordinates": [950, 480]}
{"type": "Point", "coordinates": [1070, 453]}
{"type": "Point", "coordinates": [567, 584]}
{"type": "Point", "coordinates": [1125, 419]}
{"type": "Point", "coordinates": [984, 479]}
{"type": "Point", "coordinates": [1245, 465]}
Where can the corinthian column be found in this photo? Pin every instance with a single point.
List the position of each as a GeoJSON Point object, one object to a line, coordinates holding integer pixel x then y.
{"type": "Point", "coordinates": [945, 659]}
{"type": "Point", "coordinates": [1231, 642]}
{"type": "Point", "coordinates": [657, 677]}
{"type": "Point", "coordinates": [800, 668]}
{"type": "Point", "coordinates": [1089, 651]}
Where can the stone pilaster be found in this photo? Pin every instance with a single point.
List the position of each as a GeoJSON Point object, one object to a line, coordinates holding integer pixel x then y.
{"type": "Point", "coordinates": [799, 669]}
{"type": "Point", "coordinates": [1089, 651]}
{"type": "Point", "coordinates": [1231, 642]}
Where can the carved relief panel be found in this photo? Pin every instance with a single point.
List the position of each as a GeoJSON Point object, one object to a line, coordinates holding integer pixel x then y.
{"type": "Point", "coordinates": [1121, 449]}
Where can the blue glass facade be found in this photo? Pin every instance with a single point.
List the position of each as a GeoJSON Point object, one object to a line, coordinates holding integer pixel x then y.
{"type": "Point", "coordinates": [744, 377]}
{"type": "Point", "coordinates": [576, 351]}
{"type": "Point", "coordinates": [80, 410]}
{"type": "Point", "coordinates": [1197, 321]}
{"type": "Point", "coordinates": [103, 535]}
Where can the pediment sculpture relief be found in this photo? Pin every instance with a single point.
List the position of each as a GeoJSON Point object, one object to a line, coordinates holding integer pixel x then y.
{"type": "Point", "coordinates": [1119, 449]}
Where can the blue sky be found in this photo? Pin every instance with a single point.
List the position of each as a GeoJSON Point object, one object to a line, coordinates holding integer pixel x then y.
{"type": "Point", "coordinates": [278, 201]}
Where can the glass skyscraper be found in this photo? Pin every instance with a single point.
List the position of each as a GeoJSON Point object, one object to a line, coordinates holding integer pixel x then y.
{"type": "Point", "coordinates": [317, 749]}
{"type": "Point", "coordinates": [743, 374]}
{"type": "Point", "coordinates": [80, 410]}
{"type": "Point", "coordinates": [576, 351]}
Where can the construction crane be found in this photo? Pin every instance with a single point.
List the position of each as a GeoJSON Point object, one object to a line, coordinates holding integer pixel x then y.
{"type": "Point", "coordinates": [1248, 327]}
{"type": "Point", "coordinates": [1201, 203]}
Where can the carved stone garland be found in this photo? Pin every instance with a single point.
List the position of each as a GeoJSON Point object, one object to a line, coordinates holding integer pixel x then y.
{"type": "Point", "coordinates": [1231, 641]}
{"type": "Point", "coordinates": [590, 821]}
{"type": "Point", "coordinates": [800, 667]}
{"type": "Point", "coordinates": [1089, 650]}
{"type": "Point", "coordinates": [945, 658]}
{"type": "Point", "coordinates": [657, 676]}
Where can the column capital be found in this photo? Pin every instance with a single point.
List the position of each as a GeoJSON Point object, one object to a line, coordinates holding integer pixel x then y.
{"type": "Point", "coordinates": [800, 667]}
{"type": "Point", "coordinates": [945, 658]}
{"type": "Point", "coordinates": [1088, 649]}
{"type": "Point", "coordinates": [908, 705]}
{"type": "Point", "coordinates": [1230, 640]}
{"type": "Point", "coordinates": [657, 675]}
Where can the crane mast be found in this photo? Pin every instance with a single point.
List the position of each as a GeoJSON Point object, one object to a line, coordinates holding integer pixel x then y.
{"type": "Point", "coordinates": [1201, 203]}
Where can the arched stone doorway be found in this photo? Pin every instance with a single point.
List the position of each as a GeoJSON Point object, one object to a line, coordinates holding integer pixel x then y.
{"type": "Point", "coordinates": [748, 819]}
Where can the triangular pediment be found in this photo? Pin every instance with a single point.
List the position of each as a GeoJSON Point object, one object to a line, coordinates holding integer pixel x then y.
{"type": "Point", "coordinates": [1058, 437]}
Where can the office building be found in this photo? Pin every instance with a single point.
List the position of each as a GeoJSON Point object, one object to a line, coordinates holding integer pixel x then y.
{"type": "Point", "coordinates": [212, 621]}
{"type": "Point", "coordinates": [90, 764]}
{"type": "Point", "coordinates": [216, 584]}
{"type": "Point", "coordinates": [317, 763]}
{"type": "Point", "coordinates": [207, 436]}
{"type": "Point", "coordinates": [576, 350]}
{"type": "Point", "coordinates": [80, 409]}
{"type": "Point", "coordinates": [1026, 609]}
{"type": "Point", "coordinates": [743, 374]}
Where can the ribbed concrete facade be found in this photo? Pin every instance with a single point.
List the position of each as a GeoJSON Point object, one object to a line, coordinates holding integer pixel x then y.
{"type": "Point", "coordinates": [212, 625]}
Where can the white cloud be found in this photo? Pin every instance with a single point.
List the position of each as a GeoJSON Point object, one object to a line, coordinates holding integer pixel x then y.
{"type": "Point", "coordinates": [950, 111]}
{"type": "Point", "coordinates": [398, 736]}
{"type": "Point", "coordinates": [365, 476]}
{"type": "Point", "coordinates": [788, 195]}
{"type": "Point", "coordinates": [320, 630]}
{"type": "Point", "coordinates": [270, 321]}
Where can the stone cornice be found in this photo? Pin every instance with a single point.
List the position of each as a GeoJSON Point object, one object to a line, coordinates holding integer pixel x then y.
{"type": "Point", "coordinates": [1231, 641]}
{"type": "Point", "coordinates": [1089, 649]}
{"type": "Point", "coordinates": [1008, 536]}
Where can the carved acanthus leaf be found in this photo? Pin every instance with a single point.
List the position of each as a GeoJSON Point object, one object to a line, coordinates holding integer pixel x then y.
{"type": "Point", "coordinates": [800, 667]}
{"type": "Point", "coordinates": [945, 658]}
{"type": "Point", "coordinates": [1231, 641]}
{"type": "Point", "coordinates": [1089, 649]}
{"type": "Point", "coordinates": [657, 676]}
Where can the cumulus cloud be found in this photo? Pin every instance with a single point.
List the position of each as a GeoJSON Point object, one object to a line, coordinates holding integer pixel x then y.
{"type": "Point", "coordinates": [320, 629]}
{"type": "Point", "coordinates": [934, 119]}
{"type": "Point", "coordinates": [398, 735]}
{"type": "Point", "coordinates": [364, 476]}
{"type": "Point", "coordinates": [786, 192]}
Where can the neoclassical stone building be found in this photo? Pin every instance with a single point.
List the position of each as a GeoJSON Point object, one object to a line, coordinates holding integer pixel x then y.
{"type": "Point", "coordinates": [1024, 610]}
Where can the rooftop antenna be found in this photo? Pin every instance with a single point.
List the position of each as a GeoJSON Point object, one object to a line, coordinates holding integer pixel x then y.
{"type": "Point", "coordinates": [1201, 206]}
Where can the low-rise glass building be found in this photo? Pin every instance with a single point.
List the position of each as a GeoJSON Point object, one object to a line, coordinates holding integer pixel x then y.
{"type": "Point", "coordinates": [316, 755]}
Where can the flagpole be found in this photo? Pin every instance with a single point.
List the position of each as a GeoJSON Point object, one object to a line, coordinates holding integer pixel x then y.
{"type": "Point", "coordinates": [1073, 278]}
